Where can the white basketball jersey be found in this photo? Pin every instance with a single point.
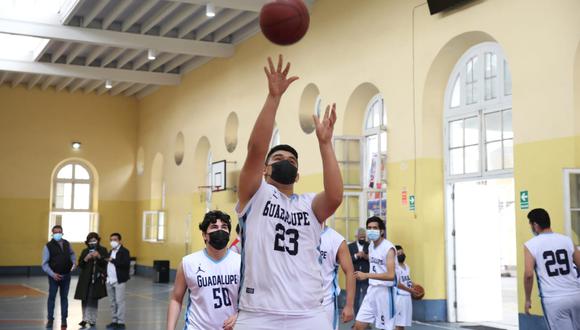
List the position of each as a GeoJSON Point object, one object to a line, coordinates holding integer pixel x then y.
{"type": "Point", "coordinates": [281, 271]}
{"type": "Point", "coordinates": [554, 254]}
{"type": "Point", "coordinates": [330, 241]}
{"type": "Point", "coordinates": [404, 277]}
{"type": "Point", "coordinates": [378, 261]}
{"type": "Point", "coordinates": [213, 289]}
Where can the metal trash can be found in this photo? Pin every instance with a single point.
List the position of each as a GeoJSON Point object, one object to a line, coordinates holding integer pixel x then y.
{"type": "Point", "coordinates": [161, 271]}
{"type": "Point", "coordinates": [132, 266]}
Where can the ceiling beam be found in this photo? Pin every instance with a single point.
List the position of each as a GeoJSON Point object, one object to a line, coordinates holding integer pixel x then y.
{"type": "Point", "coordinates": [86, 72]}
{"type": "Point", "coordinates": [92, 86]}
{"type": "Point", "coordinates": [18, 79]}
{"type": "Point", "coordinates": [64, 82]}
{"type": "Point", "coordinates": [177, 19]}
{"type": "Point", "coordinates": [179, 60]}
{"type": "Point", "coordinates": [134, 89]}
{"type": "Point", "coordinates": [246, 5]}
{"type": "Point", "coordinates": [234, 25]}
{"type": "Point", "coordinates": [216, 23]}
{"type": "Point", "coordinates": [160, 60]}
{"type": "Point", "coordinates": [115, 39]}
{"type": "Point", "coordinates": [78, 49]}
{"type": "Point", "coordinates": [68, 10]}
{"type": "Point", "coordinates": [47, 82]}
{"type": "Point", "coordinates": [112, 56]}
{"type": "Point", "coordinates": [33, 81]}
{"type": "Point", "coordinates": [150, 23]}
{"type": "Point", "coordinates": [59, 51]}
{"type": "Point", "coordinates": [97, 9]}
{"type": "Point", "coordinates": [137, 14]}
{"type": "Point", "coordinates": [195, 23]}
{"type": "Point", "coordinates": [118, 10]}
{"type": "Point", "coordinates": [78, 84]}
{"type": "Point", "coordinates": [128, 57]}
{"type": "Point", "coordinates": [96, 52]}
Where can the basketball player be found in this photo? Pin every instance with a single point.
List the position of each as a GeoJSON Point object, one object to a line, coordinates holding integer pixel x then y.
{"type": "Point", "coordinates": [553, 257]}
{"type": "Point", "coordinates": [403, 303]}
{"type": "Point", "coordinates": [334, 252]}
{"type": "Point", "coordinates": [281, 271]}
{"type": "Point", "coordinates": [212, 278]}
{"type": "Point", "coordinates": [378, 305]}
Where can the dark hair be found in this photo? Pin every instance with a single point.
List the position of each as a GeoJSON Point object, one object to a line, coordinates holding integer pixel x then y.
{"type": "Point", "coordinates": [398, 247]}
{"type": "Point", "coordinates": [92, 235]}
{"type": "Point", "coordinates": [283, 147]}
{"type": "Point", "coordinates": [238, 228]}
{"type": "Point", "coordinates": [116, 234]}
{"type": "Point", "coordinates": [540, 217]}
{"type": "Point", "coordinates": [56, 227]}
{"type": "Point", "coordinates": [378, 220]}
{"type": "Point", "coordinates": [212, 217]}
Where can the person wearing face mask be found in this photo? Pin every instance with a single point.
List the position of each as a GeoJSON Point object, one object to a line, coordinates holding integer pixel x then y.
{"type": "Point", "coordinates": [359, 250]}
{"type": "Point", "coordinates": [211, 277]}
{"type": "Point", "coordinates": [58, 261]}
{"type": "Point", "coordinates": [280, 229]}
{"type": "Point", "coordinates": [119, 263]}
{"type": "Point", "coordinates": [553, 257]}
{"type": "Point", "coordinates": [92, 277]}
{"type": "Point", "coordinates": [378, 305]}
{"type": "Point", "coordinates": [404, 304]}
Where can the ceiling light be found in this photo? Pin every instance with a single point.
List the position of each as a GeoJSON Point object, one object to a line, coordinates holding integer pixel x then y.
{"type": "Point", "coordinates": [151, 54]}
{"type": "Point", "coordinates": [108, 84]}
{"type": "Point", "coordinates": [76, 145]}
{"type": "Point", "coordinates": [210, 10]}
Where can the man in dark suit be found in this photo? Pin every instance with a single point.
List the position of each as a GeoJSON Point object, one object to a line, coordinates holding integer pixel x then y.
{"type": "Point", "coordinates": [117, 275]}
{"type": "Point", "coordinates": [359, 253]}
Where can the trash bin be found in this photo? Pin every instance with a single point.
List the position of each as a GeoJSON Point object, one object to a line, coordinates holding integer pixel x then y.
{"type": "Point", "coordinates": [132, 266]}
{"type": "Point", "coordinates": [161, 271]}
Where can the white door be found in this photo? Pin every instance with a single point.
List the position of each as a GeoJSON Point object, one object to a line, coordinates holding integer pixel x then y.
{"type": "Point", "coordinates": [477, 252]}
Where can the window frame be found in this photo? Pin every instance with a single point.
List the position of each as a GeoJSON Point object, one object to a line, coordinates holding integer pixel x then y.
{"type": "Point", "coordinates": [159, 214]}
{"type": "Point", "coordinates": [567, 204]}
{"type": "Point", "coordinates": [73, 181]}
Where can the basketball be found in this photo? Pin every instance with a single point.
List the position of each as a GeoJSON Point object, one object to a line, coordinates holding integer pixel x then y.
{"type": "Point", "coordinates": [284, 22]}
{"type": "Point", "coordinates": [420, 292]}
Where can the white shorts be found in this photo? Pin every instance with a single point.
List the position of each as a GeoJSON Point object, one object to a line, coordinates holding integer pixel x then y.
{"type": "Point", "coordinates": [378, 307]}
{"type": "Point", "coordinates": [562, 313]}
{"type": "Point", "coordinates": [265, 321]}
{"type": "Point", "coordinates": [404, 307]}
{"type": "Point", "coordinates": [332, 314]}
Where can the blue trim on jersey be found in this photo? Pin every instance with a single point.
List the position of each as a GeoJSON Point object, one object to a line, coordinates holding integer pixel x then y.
{"type": "Point", "coordinates": [242, 222]}
{"type": "Point", "coordinates": [187, 310]}
{"type": "Point", "coordinates": [392, 311]}
{"type": "Point", "coordinates": [335, 319]}
{"type": "Point", "coordinates": [216, 261]}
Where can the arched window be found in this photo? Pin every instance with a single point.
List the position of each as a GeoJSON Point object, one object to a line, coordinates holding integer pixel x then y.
{"type": "Point", "coordinates": [375, 157]}
{"type": "Point", "coordinates": [478, 114]}
{"type": "Point", "coordinates": [72, 200]}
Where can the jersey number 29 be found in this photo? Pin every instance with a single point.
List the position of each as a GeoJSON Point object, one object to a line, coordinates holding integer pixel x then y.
{"type": "Point", "coordinates": [561, 258]}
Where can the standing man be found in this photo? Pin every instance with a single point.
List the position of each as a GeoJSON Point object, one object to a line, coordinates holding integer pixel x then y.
{"type": "Point", "coordinates": [281, 271]}
{"type": "Point", "coordinates": [334, 252]}
{"type": "Point", "coordinates": [359, 254]}
{"type": "Point", "coordinates": [211, 277]}
{"type": "Point", "coordinates": [379, 303]}
{"type": "Point", "coordinates": [403, 301]}
{"type": "Point", "coordinates": [117, 276]}
{"type": "Point", "coordinates": [553, 257]}
{"type": "Point", "coordinates": [58, 261]}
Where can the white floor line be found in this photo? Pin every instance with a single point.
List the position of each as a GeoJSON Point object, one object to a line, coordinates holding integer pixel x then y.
{"type": "Point", "coordinates": [434, 326]}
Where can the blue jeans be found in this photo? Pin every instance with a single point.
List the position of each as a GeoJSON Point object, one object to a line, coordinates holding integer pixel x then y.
{"type": "Point", "coordinates": [53, 287]}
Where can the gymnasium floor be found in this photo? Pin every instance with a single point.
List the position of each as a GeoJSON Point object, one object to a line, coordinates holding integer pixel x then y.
{"type": "Point", "coordinates": [146, 306]}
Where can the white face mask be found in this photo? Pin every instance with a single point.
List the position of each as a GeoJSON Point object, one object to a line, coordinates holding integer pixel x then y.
{"type": "Point", "coordinates": [114, 244]}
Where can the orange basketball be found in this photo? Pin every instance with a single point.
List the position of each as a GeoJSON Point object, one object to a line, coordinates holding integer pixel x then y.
{"type": "Point", "coordinates": [284, 22]}
{"type": "Point", "coordinates": [420, 292]}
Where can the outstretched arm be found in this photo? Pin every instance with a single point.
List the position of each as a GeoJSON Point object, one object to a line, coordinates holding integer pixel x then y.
{"type": "Point", "coordinates": [327, 201]}
{"type": "Point", "coordinates": [529, 263]}
{"type": "Point", "coordinates": [252, 171]}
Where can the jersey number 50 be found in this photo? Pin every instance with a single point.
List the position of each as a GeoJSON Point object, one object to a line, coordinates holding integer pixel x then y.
{"type": "Point", "coordinates": [221, 298]}
{"type": "Point", "coordinates": [560, 257]}
{"type": "Point", "coordinates": [280, 237]}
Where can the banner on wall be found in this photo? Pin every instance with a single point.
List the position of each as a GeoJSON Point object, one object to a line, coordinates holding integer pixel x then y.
{"type": "Point", "coordinates": [377, 207]}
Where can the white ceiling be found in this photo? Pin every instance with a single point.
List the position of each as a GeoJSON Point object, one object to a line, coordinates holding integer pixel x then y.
{"type": "Point", "coordinates": [91, 41]}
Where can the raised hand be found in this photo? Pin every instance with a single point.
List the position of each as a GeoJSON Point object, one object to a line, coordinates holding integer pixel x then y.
{"type": "Point", "coordinates": [278, 80]}
{"type": "Point", "coordinates": [325, 125]}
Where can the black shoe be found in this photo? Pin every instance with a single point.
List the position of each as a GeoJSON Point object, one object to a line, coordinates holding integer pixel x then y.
{"type": "Point", "coordinates": [92, 325]}
{"type": "Point", "coordinates": [83, 323]}
{"type": "Point", "coordinates": [120, 326]}
{"type": "Point", "coordinates": [49, 324]}
{"type": "Point", "coordinates": [112, 325]}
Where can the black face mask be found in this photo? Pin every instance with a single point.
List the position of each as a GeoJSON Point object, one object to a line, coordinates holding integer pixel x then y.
{"type": "Point", "coordinates": [361, 241]}
{"type": "Point", "coordinates": [284, 172]}
{"type": "Point", "coordinates": [401, 257]}
{"type": "Point", "coordinates": [219, 239]}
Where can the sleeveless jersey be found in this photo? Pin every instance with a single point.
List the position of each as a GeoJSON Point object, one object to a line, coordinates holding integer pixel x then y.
{"type": "Point", "coordinates": [378, 261]}
{"type": "Point", "coordinates": [329, 244]}
{"type": "Point", "coordinates": [281, 266]}
{"type": "Point", "coordinates": [554, 265]}
{"type": "Point", "coordinates": [404, 277]}
{"type": "Point", "coordinates": [213, 289]}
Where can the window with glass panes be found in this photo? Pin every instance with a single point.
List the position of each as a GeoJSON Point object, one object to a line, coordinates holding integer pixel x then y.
{"type": "Point", "coordinates": [375, 161]}
{"type": "Point", "coordinates": [572, 204]}
{"type": "Point", "coordinates": [478, 114]}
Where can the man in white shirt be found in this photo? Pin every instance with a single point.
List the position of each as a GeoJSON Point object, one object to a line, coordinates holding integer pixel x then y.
{"type": "Point", "coordinates": [553, 257]}
{"type": "Point", "coordinates": [117, 277]}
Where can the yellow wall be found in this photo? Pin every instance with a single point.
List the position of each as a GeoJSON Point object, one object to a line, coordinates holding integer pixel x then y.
{"type": "Point", "coordinates": [36, 130]}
